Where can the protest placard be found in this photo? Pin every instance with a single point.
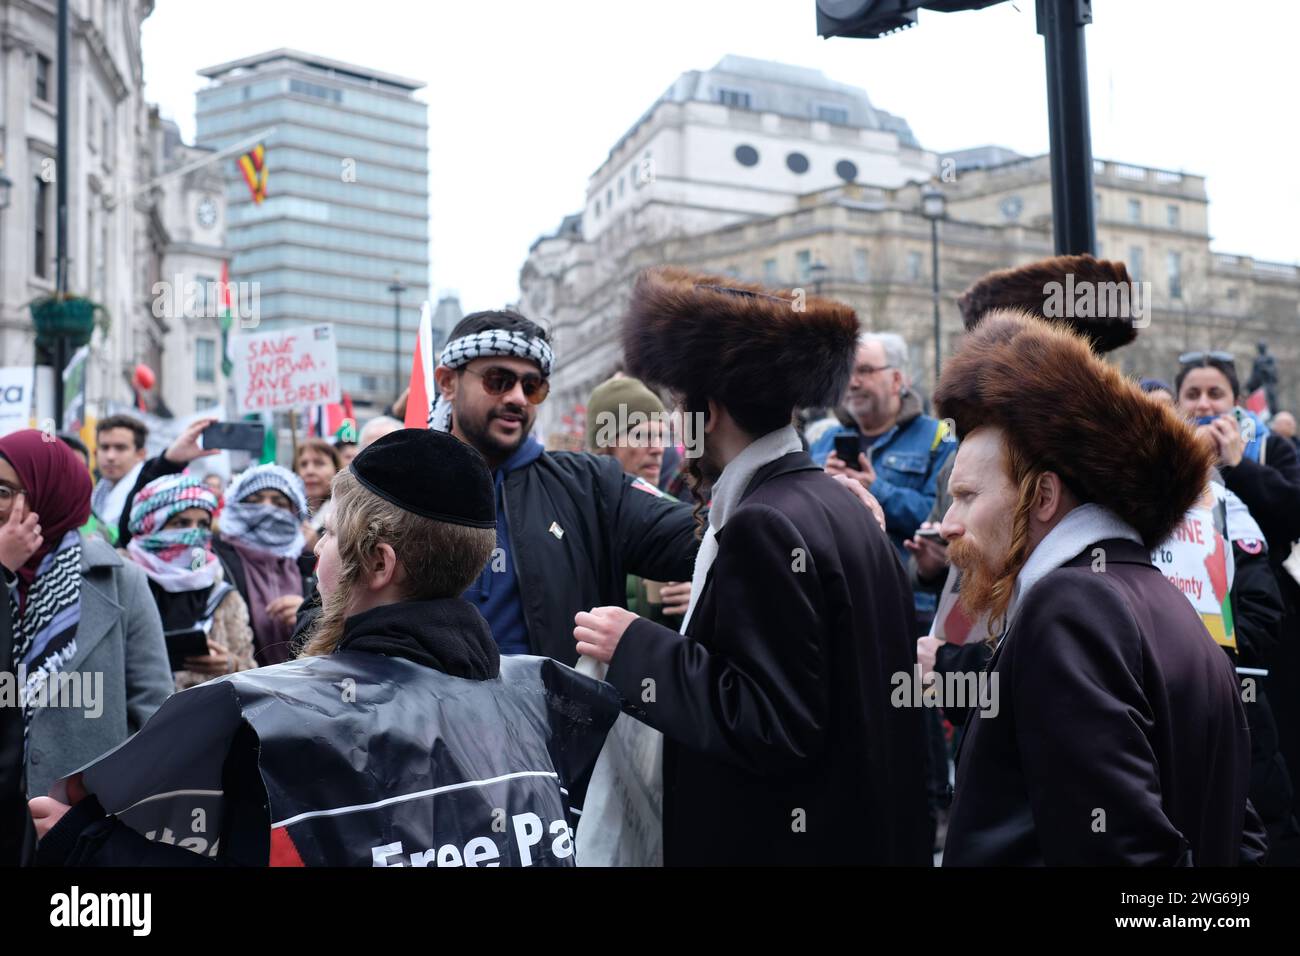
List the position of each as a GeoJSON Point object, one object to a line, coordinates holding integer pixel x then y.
{"type": "Point", "coordinates": [287, 368]}
{"type": "Point", "coordinates": [1196, 559]}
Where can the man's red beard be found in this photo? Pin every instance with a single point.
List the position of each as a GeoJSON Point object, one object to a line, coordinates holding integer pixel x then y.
{"type": "Point", "coordinates": [984, 583]}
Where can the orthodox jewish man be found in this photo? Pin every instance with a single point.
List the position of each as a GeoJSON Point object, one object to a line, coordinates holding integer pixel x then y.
{"type": "Point", "coordinates": [1120, 738]}
{"type": "Point", "coordinates": [781, 746]}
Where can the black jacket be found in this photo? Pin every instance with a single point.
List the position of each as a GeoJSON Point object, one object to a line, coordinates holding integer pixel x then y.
{"type": "Point", "coordinates": [17, 839]}
{"type": "Point", "coordinates": [610, 526]}
{"type": "Point", "coordinates": [1120, 738]}
{"type": "Point", "coordinates": [1272, 493]}
{"type": "Point", "coordinates": [464, 732]}
{"type": "Point", "coordinates": [782, 746]}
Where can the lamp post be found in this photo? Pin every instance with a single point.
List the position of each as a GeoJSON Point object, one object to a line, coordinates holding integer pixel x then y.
{"type": "Point", "coordinates": [817, 272]}
{"type": "Point", "coordinates": [933, 206]}
{"type": "Point", "coordinates": [397, 288]}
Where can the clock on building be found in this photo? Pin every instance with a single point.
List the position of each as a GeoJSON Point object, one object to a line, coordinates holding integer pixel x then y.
{"type": "Point", "coordinates": [207, 212]}
{"type": "Point", "coordinates": [1011, 208]}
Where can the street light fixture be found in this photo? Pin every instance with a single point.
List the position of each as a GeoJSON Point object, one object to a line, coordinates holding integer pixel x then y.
{"type": "Point", "coordinates": [397, 288]}
{"type": "Point", "coordinates": [817, 272]}
{"type": "Point", "coordinates": [934, 207]}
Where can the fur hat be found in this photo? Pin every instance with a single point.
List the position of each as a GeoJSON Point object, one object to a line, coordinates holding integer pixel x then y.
{"type": "Point", "coordinates": [1029, 287]}
{"type": "Point", "coordinates": [1074, 414]}
{"type": "Point", "coordinates": [737, 342]}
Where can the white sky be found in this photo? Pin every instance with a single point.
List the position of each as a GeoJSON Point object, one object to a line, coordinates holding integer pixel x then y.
{"type": "Point", "coordinates": [527, 96]}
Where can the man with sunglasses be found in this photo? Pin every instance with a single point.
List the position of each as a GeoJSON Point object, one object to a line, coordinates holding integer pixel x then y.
{"type": "Point", "coordinates": [570, 526]}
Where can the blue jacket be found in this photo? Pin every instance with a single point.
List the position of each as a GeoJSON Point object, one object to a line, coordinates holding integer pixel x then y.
{"type": "Point", "coordinates": [907, 459]}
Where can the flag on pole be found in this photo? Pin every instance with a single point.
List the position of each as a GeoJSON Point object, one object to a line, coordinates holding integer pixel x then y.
{"type": "Point", "coordinates": [422, 390]}
{"type": "Point", "coordinates": [228, 368]}
{"type": "Point", "coordinates": [253, 165]}
{"type": "Point", "coordinates": [226, 322]}
{"type": "Point", "coordinates": [336, 421]}
{"type": "Point", "coordinates": [1257, 402]}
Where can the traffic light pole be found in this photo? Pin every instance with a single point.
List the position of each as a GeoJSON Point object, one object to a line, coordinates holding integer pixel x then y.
{"type": "Point", "coordinates": [1061, 23]}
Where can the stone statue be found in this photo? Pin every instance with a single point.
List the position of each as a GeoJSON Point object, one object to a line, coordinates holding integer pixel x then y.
{"type": "Point", "coordinates": [1263, 374]}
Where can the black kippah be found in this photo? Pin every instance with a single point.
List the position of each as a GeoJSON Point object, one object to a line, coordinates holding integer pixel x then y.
{"type": "Point", "coordinates": [431, 474]}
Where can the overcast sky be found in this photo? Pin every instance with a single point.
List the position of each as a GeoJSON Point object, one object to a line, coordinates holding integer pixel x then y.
{"type": "Point", "coordinates": [526, 96]}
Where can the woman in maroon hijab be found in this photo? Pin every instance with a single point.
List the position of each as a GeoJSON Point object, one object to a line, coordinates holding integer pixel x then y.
{"type": "Point", "coordinates": [81, 645]}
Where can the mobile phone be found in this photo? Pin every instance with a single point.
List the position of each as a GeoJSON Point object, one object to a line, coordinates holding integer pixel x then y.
{"type": "Point", "coordinates": [932, 534]}
{"type": "Point", "coordinates": [240, 436]}
{"type": "Point", "coordinates": [192, 642]}
{"type": "Point", "coordinates": [847, 449]}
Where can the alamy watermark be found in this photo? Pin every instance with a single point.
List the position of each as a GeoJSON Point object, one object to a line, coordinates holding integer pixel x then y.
{"type": "Point", "coordinates": [182, 298]}
{"type": "Point", "coordinates": [628, 429]}
{"type": "Point", "coordinates": [961, 689]}
{"type": "Point", "coordinates": [78, 690]}
{"type": "Point", "coordinates": [1098, 300]}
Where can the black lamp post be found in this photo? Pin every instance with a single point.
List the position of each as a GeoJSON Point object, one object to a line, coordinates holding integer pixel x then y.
{"type": "Point", "coordinates": [933, 207]}
{"type": "Point", "coordinates": [397, 288]}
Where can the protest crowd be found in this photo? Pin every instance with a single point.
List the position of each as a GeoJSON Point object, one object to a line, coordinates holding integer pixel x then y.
{"type": "Point", "coordinates": [785, 609]}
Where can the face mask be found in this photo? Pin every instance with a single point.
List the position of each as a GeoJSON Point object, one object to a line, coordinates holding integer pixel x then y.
{"type": "Point", "coordinates": [262, 526]}
{"type": "Point", "coordinates": [176, 540]}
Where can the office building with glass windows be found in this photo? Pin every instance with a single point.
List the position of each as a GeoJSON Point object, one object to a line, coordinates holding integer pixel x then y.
{"type": "Point", "coordinates": [346, 211]}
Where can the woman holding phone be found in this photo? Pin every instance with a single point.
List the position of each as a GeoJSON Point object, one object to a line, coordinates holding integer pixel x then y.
{"type": "Point", "coordinates": [171, 540]}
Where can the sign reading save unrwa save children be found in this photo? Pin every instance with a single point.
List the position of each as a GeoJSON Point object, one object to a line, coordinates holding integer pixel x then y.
{"type": "Point", "coordinates": [287, 368]}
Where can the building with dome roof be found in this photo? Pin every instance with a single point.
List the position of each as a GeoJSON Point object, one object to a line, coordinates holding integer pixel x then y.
{"type": "Point", "coordinates": [779, 175]}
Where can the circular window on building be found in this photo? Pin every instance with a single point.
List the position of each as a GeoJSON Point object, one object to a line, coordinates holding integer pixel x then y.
{"type": "Point", "coordinates": [847, 171]}
{"type": "Point", "coordinates": [747, 155]}
{"type": "Point", "coordinates": [797, 163]}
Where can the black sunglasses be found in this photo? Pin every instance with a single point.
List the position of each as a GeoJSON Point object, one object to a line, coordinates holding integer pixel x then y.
{"type": "Point", "coordinates": [498, 381]}
{"type": "Point", "coordinates": [1194, 358]}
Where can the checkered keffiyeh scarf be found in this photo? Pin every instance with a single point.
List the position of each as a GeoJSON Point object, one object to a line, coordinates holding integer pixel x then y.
{"type": "Point", "coordinates": [157, 502]}
{"type": "Point", "coordinates": [177, 559]}
{"type": "Point", "coordinates": [460, 352]}
{"type": "Point", "coordinates": [45, 626]}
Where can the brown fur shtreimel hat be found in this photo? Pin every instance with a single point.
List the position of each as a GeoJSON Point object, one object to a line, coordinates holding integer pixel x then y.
{"type": "Point", "coordinates": [736, 341]}
{"type": "Point", "coordinates": [1093, 297]}
{"type": "Point", "coordinates": [1072, 413]}
{"type": "Point", "coordinates": [431, 474]}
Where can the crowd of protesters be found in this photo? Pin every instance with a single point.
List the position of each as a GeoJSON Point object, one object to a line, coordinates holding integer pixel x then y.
{"type": "Point", "coordinates": [750, 589]}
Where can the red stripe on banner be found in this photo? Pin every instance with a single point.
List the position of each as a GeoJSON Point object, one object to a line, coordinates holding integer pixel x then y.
{"type": "Point", "coordinates": [283, 852]}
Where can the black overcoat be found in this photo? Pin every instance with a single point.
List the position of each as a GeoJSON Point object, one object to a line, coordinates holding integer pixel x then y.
{"type": "Point", "coordinates": [781, 744]}
{"type": "Point", "coordinates": [1120, 736]}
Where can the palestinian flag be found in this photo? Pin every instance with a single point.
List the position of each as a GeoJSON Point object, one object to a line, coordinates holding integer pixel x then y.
{"type": "Point", "coordinates": [422, 390]}
{"type": "Point", "coordinates": [253, 165]}
{"type": "Point", "coordinates": [336, 422]}
{"type": "Point", "coordinates": [227, 367]}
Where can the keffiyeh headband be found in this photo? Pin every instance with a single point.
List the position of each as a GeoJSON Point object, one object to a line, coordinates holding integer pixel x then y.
{"type": "Point", "coordinates": [490, 342]}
